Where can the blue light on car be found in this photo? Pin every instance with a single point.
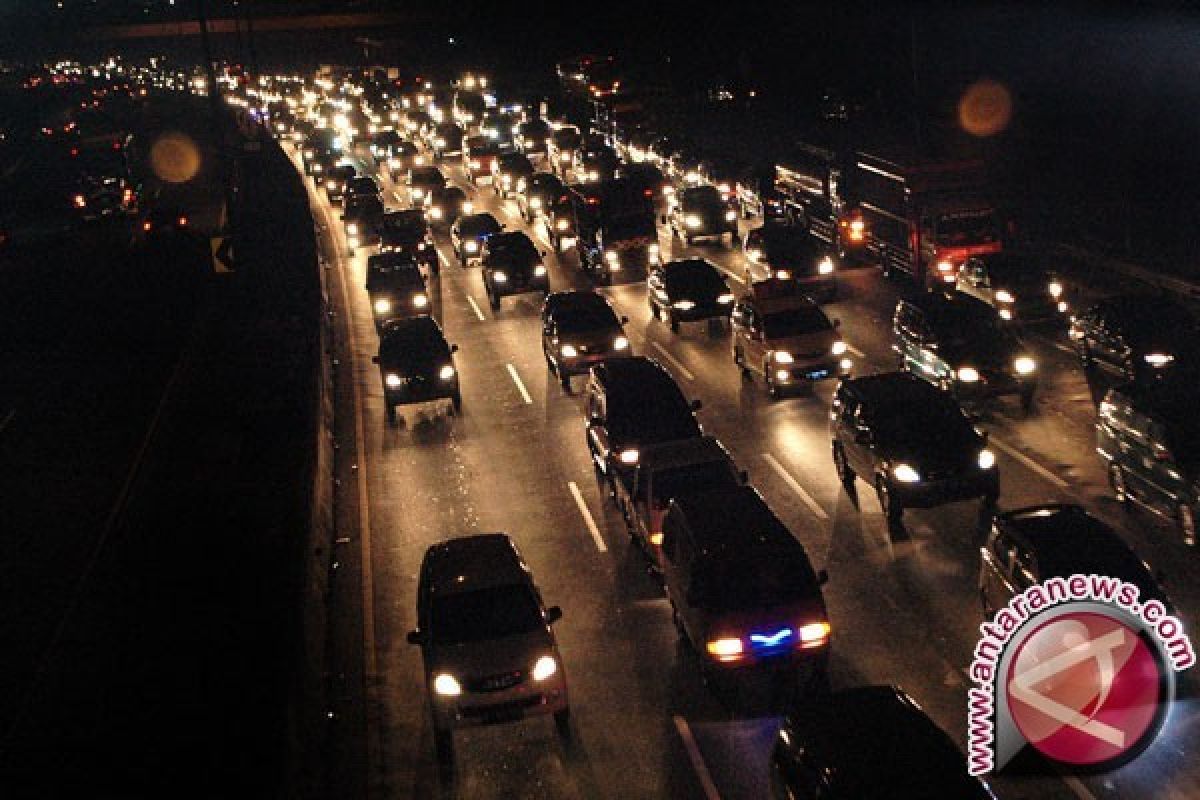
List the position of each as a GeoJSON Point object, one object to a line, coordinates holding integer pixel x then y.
{"type": "Point", "coordinates": [771, 640]}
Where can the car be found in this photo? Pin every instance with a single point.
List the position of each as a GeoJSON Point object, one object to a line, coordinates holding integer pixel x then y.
{"type": "Point", "coordinates": [1055, 540]}
{"type": "Point", "coordinates": [688, 290]}
{"type": "Point", "coordinates": [479, 157]}
{"type": "Point", "coordinates": [363, 216]}
{"type": "Point", "coordinates": [963, 345]}
{"type": "Point", "coordinates": [559, 220]}
{"type": "Point", "coordinates": [421, 181]}
{"type": "Point", "coordinates": [784, 335]}
{"type": "Point", "coordinates": [1149, 436]}
{"type": "Point", "coordinates": [532, 137]}
{"type": "Point", "coordinates": [486, 639]}
{"type": "Point", "coordinates": [447, 140]}
{"type": "Point", "coordinates": [564, 141]}
{"type": "Point", "coordinates": [416, 364]}
{"type": "Point", "coordinates": [1017, 284]}
{"type": "Point", "coordinates": [468, 234]}
{"type": "Point", "coordinates": [632, 403]}
{"type": "Point", "coordinates": [384, 144]}
{"type": "Point", "coordinates": [1137, 337]}
{"type": "Point", "coordinates": [538, 194]}
{"type": "Point", "coordinates": [869, 742]}
{"type": "Point", "coordinates": [742, 590]}
{"type": "Point", "coordinates": [579, 329]}
{"type": "Point", "coordinates": [336, 181]}
{"type": "Point", "coordinates": [912, 442]}
{"type": "Point", "coordinates": [700, 211]}
{"type": "Point", "coordinates": [790, 253]}
{"type": "Point", "coordinates": [362, 186]}
{"type": "Point", "coordinates": [403, 157]}
{"type": "Point", "coordinates": [395, 288]}
{"type": "Point", "coordinates": [407, 232]}
{"type": "Point", "coordinates": [510, 173]}
{"type": "Point", "coordinates": [445, 204]}
{"type": "Point", "coordinates": [648, 178]}
{"type": "Point", "coordinates": [596, 162]}
{"type": "Point", "coordinates": [512, 264]}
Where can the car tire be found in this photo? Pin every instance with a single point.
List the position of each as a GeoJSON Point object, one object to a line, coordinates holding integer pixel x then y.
{"type": "Point", "coordinates": [564, 380]}
{"type": "Point", "coordinates": [740, 361]}
{"type": "Point", "coordinates": [1027, 397]}
{"type": "Point", "coordinates": [443, 743]}
{"type": "Point", "coordinates": [456, 401]}
{"type": "Point", "coordinates": [494, 301]}
{"type": "Point", "coordinates": [391, 415]}
{"type": "Point", "coordinates": [673, 322]}
{"type": "Point", "coordinates": [1186, 518]}
{"type": "Point", "coordinates": [562, 724]}
{"type": "Point", "coordinates": [892, 509]}
{"type": "Point", "coordinates": [687, 239]}
{"type": "Point", "coordinates": [1116, 480]}
{"type": "Point", "coordinates": [845, 474]}
{"type": "Point", "coordinates": [462, 259]}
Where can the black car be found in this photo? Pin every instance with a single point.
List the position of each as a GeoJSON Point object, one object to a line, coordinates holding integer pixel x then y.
{"type": "Point", "coordinates": [963, 346]}
{"type": "Point", "coordinates": [336, 181]}
{"type": "Point", "coordinates": [384, 144]}
{"type": "Point", "coordinates": [362, 186]}
{"type": "Point", "coordinates": [445, 204]}
{"type": "Point", "coordinates": [422, 181]}
{"type": "Point", "coordinates": [540, 192]}
{"type": "Point", "coordinates": [447, 140]}
{"type": "Point", "coordinates": [790, 253]}
{"type": "Point", "coordinates": [395, 287]}
{"type": "Point", "coordinates": [403, 158]}
{"type": "Point", "coordinates": [1136, 336]}
{"type": "Point", "coordinates": [510, 173]}
{"type": "Point", "coordinates": [416, 364]}
{"type": "Point", "coordinates": [631, 403]}
{"type": "Point", "coordinates": [512, 265]}
{"type": "Point", "coordinates": [407, 232]}
{"type": "Point", "coordinates": [912, 442]}
{"type": "Point", "coordinates": [699, 212]}
{"type": "Point", "coordinates": [1054, 540]}
{"type": "Point", "coordinates": [687, 290]}
{"type": "Point", "coordinates": [533, 136]}
{"type": "Point", "coordinates": [1018, 284]}
{"type": "Point", "coordinates": [650, 180]}
{"type": "Point", "coordinates": [596, 162]}
{"type": "Point", "coordinates": [580, 329]}
{"type": "Point", "coordinates": [363, 216]}
{"type": "Point", "coordinates": [868, 743]}
{"type": "Point", "coordinates": [468, 234]}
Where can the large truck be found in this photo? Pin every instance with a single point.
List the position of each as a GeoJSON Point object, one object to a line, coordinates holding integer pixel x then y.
{"type": "Point", "coordinates": [616, 236]}
{"type": "Point", "coordinates": [812, 187]}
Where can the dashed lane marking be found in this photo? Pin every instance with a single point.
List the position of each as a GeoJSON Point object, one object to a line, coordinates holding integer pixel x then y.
{"type": "Point", "coordinates": [520, 386]}
{"type": "Point", "coordinates": [795, 486]}
{"type": "Point", "coordinates": [587, 516]}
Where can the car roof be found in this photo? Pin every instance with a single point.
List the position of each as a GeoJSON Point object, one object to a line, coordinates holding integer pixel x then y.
{"type": "Point", "coordinates": [469, 563]}
{"type": "Point", "coordinates": [772, 295]}
{"type": "Point", "coordinates": [640, 370]}
{"type": "Point", "coordinates": [1175, 396]}
{"type": "Point", "coordinates": [575, 299]}
{"type": "Point", "coordinates": [412, 327]}
{"type": "Point", "coordinates": [734, 523]}
{"type": "Point", "coordinates": [509, 239]}
{"type": "Point", "coordinates": [681, 265]}
{"type": "Point", "coordinates": [891, 387]}
{"type": "Point", "coordinates": [682, 452]}
{"type": "Point", "coordinates": [940, 309]}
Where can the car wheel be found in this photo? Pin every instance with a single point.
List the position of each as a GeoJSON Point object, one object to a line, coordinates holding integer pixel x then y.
{"type": "Point", "coordinates": [562, 723]}
{"type": "Point", "coordinates": [740, 361]}
{"type": "Point", "coordinates": [1027, 401]}
{"type": "Point", "coordinates": [687, 240]}
{"type": "Point", "coordinates": [672, 321]}
{"type": "Point", "coordinates": [892, 509]}
{"type": "Point", "coordinates": [845, 474]}
{"type": "Point", "coordinates": [564, 380]}
{"type": "Point", "coordinates": [1187, 524]}
{"type": "Point", "coordinates": [494, 301]}
{"type": "Point", "coordinates": [1116, 479]}
{"type": "Point", "coordinates": [456, 401]}
{"type": "Point", "coordinates": [391, 415]}
{"type": "Point", "coordinates": [443, 742]}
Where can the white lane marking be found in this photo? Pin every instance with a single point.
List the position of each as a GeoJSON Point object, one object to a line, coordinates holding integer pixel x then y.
{"type": "Point", "coordinates": [1065, 348]}
{"type": "Point", "coordinates": [396, 195]}
{"type": "Point", "coordinates": [795, 486]}
{"type": "Point", "coordinates": [7, 419]}
{"type": "Point", "coordinates": [1077, 788]}
{"type": "Point", "coordinates": [587, 516]}
{"type": "Point", "coordinates": [445, 261]}
{"type": "Point", "coordinates": [732, 275]}
{"type": "Point", "coordinates": [520, 386]}
{"type": "Point", "coordinates": [855, 351]}
{"type": "Point", "coordinates": [693, 751]}
{"type": "Point", "coordinates": [475, 307]}
{"type": "Point", "coordinates": [687, 373]}
{"type": "Point", "coordinates": [1029, 462]}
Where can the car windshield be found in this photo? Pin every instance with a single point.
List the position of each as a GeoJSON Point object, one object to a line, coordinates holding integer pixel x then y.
{"type": "Point", "coordinates": [586, 319]}
{"type": "Point", "coordinates": [919, 423]}
{"type": "Point", "coordinates": [518, 249]}
{"type": "Point", "coordinates": [429, 175]}
{"type": "Point", "coordinates": [1004, 269]}
{"type": "Point", "coordinates": [405, 222]}
{"type": "Point", "coordinates": [566, 139]}
{"type": "Point", "coordinates": [734, 582]}
{"type": "Point", "coordinates": [628, 226]}
{"type": "Point", "coordinates": [967, 228]}
{"type": "Point", "coordinates": [795, 322]}
{"type": "Point", "coordinates": [702, 197]}
{"type": "Point", "coordinates": [492, 613]}
{"type": "Point", "coordinates": [477, 225]}
{"type": "Point", "coordinates": [691, 479]}
{"type": "Point", "coordinates": [395, 280]}
{"type": "Point", "coordinates": [694, 276]}
{"type": "Point", "coordinates": [653, 416]}
{"type": "Point", "coordinates": [417, 340]}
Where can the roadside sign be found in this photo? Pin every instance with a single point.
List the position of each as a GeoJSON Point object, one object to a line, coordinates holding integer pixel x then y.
{"type": "Point", "coordinates": [222, 254]}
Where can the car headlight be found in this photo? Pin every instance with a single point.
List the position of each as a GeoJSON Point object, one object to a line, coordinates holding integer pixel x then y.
{"type": "Point", "coordinates": [352, 229]}
{"type": "Point", "coordinates": [693, 221]}
{"type": "Point", "coordinates": [946, 268]}
{"type": "Point", "coordinates": [330, 185]}
{"type": "Point", "coordinates": [568, 351]}
{"type": "Point", "coordinates": [418, 193]}
{"type": "Point", "coordinates": [612, 257]}
{"type": "Point", "coordinates": [317, 168]}
{"type": "Point", "coordinates": [1158, 359]}
{"type": "Point", "coordinates": [653, 248]}
{"type": "Point", "coordinates": [506, 180]}
{"type": "Point", "coordinates": [471, 247]}
{"type": "Point", "coordinates": [730, 216]}
{"type": "Point", "coordinates": [446, 685]}
{"type": "Point", "coordinates": [905, 474]}
{"type": "Point", "coordinates": [1005, 314]}
{"type": "Point", "coordinates": [520, 184]}
{"type": "Point", "coordinates": [499, 277]}
{"type": "Point", "coordinates": [725, 299]}
{"type": "Point", "coordinates": [813, 633]}
{"type": "Point", "coordinates": [394, 163]}
{"type": "Point", "coordinates": [560, 224]}
{"type": "Point", "coordinates": [439, 142]}
{"type": "Point", "coordinates": [421, 246]}
{"type": "Point", "coordinates": [1055, 288]}
{"type": "Point", "coordinates": [754, 254]}
{"type": "Point", "coordinates": [475, 163]}
{"type": "Point", "coordinates": [419, 160]}
{"type": "Point", "coordinates": [1024, 365]}
{"type": "Point", "coordinates": [419, 300]}
{"type": "Point", "coordinates": [727, 648]}
{"type": "Point", "coordinates": [545, 667]}
{"type": "Point", "coordinates": [435, 212]}
{"type": "Point", "coordinates": [446, 372]}
{"type": "Point", "coordinates": [383, 305]}
{"type": "Point", "coordinates": [683, 305]}
{"type": "Point", "coordinates": [393, 380]}
{"type": "Point", "coordinates": [539, 271]}
{"type": "Point", "coordinates": [468, 207]}
{"type": "Point", "coordinates": [987, 459]}
{"type": "Point", "coordinates": [825, 267]}
{"type": "Point", "coordinates": [839, 347]}
{"type": "Point", "coordinates": [782, 357]}
{"type": "Point", "coordinates": [620, 343]}
{"type": "Point", "coordinates": [968, 374]}
{"type": "Point", "coordinates": [629, 456]}
{"type": "Point", "coordinates": [783, 274]}
{"type": "Point", "coordinates": [565, 158]}
{"type": "Point", "coordinates": [1005, 296]}
{"type": "Point", "coordinates": [535, 202]}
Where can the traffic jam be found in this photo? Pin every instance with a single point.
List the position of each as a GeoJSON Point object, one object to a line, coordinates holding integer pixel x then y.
{"type": "Point", "coordinates": [752, 359]}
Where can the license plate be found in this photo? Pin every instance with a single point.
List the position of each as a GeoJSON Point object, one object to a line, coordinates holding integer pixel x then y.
{"type": "Point", "coordinates": [503, 715]}
{"type": "Point", "coordinates": [817, 375]}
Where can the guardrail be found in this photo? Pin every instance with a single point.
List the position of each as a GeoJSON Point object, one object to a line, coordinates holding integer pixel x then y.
{"type": "Point", "coordinates": [1169, 283]}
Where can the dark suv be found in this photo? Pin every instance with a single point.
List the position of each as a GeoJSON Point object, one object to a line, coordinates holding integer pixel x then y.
{"type": "Point", "coordinates": [700, 211]}
{"type": "Point", "coordinates": [912, 442]}
{"type": "Point", "coordinates": [408, 233]}
{"type": "Point", "coordinates": [962, 345]}
{"type": "Point", "coordinates": [489, 653]}
{"type": "Point", "coordinates": [580, 329]}
{"type": "Point", "coordinates": [1150, 436]}
{"type": "Point", "coordinates": [688, 290]}
{"type": "Point", "coordinates": [416, 364]}
{"type": "Point", "coordinates": [512, 265]}
{"type": "Point", "coordinates": [632, 402]}
{"type": "Point", "coordinates": [1135, 336]}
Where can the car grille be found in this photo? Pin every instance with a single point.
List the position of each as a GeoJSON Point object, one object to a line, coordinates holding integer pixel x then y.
{"type": "Point", "coordinates": [496, 683]}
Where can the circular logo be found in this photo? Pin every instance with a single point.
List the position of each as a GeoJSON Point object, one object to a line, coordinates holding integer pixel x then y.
{"type": "Point", "coordinates": [1086, 689]}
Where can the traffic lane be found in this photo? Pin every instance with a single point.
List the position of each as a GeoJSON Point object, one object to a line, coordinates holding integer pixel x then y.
{"type": "Point", "coordinates": [510, 495]}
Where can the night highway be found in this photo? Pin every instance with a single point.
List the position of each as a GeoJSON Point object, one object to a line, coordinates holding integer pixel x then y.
{"type": "Point", "coordinates": [268, 375]}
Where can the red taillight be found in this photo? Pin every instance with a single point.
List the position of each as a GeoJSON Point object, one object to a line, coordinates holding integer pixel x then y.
{"type": "Point", "coordinates": [648, 192]}
{"type": "Point", "coordinates": [146, 226]}
{"type": "Point", "coordinates": [183, 222]}
{"type": "Point", "coordinates": [80, 201]}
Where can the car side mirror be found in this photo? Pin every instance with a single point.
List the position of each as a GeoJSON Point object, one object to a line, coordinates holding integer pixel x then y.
{"type": "Point", "coordinates": [415, 637]}
{"type": "Point", "coordinates": [453, 348]}
{"type": "Point", "coordinates": [553, 615]}
{"type": "Point", "coordinates": [743, 477]}
{"type": "Point", "coordinates": [823, 577]}
{"type": "Point", "coordinates": [374, 359]}
{"type": "Point", "coordinates": [696, 405]}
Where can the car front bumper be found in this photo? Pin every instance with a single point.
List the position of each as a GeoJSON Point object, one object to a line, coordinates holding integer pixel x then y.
{"type": "Point", "coordinates": [526, 699]}
{"type": "Point", "coordinates": [931, 492]}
